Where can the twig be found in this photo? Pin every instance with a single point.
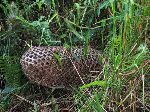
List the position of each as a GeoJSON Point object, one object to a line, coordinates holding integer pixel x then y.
{"type": "Point", "coordinates": [21, 98]}
{"type": "Point", "coordinates": [146, 63]}
{"type": "Point", "coordinates": [77, 71]}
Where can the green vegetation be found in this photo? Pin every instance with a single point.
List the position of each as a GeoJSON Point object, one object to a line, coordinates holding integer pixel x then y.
{"type": "Point", "coordinates": [120, 29]}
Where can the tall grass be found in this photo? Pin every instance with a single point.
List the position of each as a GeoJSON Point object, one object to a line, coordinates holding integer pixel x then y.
{"type": "Point", "coordinates": [120, 29]}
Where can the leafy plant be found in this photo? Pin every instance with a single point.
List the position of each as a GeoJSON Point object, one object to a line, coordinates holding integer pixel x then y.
{"type": "Point", "coordinates": [11, 70]}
